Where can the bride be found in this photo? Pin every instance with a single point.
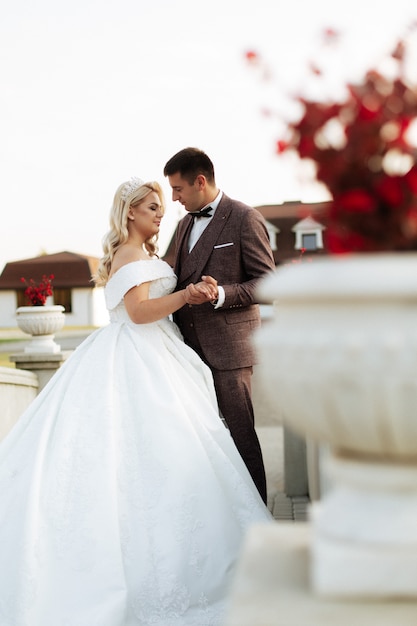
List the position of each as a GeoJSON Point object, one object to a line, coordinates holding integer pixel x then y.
{"type": "Point", "coordinates": [123, 500]}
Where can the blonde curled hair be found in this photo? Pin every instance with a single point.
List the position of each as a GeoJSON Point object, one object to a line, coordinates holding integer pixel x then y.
{"type": "Point", "coordinates": [128, 194]}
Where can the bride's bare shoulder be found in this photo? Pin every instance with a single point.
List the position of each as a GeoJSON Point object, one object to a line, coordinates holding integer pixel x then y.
{"type": "Point", "coordinates": [127, 254]}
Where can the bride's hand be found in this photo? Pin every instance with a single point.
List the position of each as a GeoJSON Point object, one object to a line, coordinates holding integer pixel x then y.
{"type": "Point", "coordinates": [199, 293]}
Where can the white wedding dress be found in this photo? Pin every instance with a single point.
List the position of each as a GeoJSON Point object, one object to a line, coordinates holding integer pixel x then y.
{"type": "Point", "coordinates": [123, 500]}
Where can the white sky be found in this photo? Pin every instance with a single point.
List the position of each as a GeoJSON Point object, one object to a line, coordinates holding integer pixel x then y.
{"type": "Point", "coordinates": [96, 91]}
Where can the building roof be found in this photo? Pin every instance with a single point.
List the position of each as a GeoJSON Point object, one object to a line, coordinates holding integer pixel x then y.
{"type": "Point", "coordinates": [69, 269]}
{"type": "Point", "coordinates": [308, 223]}
{"type": "Point", "coordinates": [283, 217]}
{"type": "Point", "coordinates": [289, 216]}
{"type": "Point", "coordinates": [294, 209]}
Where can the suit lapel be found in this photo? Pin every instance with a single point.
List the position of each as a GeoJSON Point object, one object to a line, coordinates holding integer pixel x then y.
{"type": "Point", "coordinates": [184, 229]}
{"type": "Point", "coordinates": [199, 255]}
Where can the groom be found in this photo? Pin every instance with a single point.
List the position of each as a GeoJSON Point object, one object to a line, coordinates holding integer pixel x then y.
{"type": "Point", "coordinates": [226, 239]}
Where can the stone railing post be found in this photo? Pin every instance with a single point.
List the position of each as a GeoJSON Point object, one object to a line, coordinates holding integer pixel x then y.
{"type": "Point", "coordinates": [43, 365]}
{"type": "Point", "coordinates": [17, 390]}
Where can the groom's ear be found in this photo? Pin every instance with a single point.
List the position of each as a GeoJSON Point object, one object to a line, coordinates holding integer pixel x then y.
{"type": "Point", "coordinates": [201, 181]}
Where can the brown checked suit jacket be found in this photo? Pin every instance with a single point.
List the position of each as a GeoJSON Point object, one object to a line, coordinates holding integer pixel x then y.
{"type": "Point", "coordinates": [235, 250]}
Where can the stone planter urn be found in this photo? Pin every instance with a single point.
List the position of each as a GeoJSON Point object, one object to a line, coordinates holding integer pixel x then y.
{"type": "Point", "coordinates": [339, 360]}
{"type": "Point", "coordinates": [41, 322]}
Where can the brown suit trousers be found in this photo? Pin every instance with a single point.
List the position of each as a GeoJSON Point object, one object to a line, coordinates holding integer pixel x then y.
{"type": "Point", "coordinates": [235, 250]}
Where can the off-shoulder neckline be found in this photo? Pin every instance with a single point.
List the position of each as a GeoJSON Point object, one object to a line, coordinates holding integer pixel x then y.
{"type": "Point", "coordinates": [132, 263]}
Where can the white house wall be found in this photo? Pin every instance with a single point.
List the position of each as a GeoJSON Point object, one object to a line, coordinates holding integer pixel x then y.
{"type": "Point", "coordinates": [8, 304]}
{"type": "Point", "coordinates": [88, 308]}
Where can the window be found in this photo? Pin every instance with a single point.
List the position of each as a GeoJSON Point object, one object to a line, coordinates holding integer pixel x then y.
{"type": "Point", "coordinates": [308, 234]}
{"type": "Point", "coordinates": [63, 297]}
{"type": "Point", "coordinates": [21, 298]}
{"type": "Point", "coordinates": [309, 241]}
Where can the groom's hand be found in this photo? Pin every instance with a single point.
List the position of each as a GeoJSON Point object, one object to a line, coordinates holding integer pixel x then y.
{"type": "Point", "coordinates": [199, 293]}
{"type": "Point", "coordinates": [209, 280]}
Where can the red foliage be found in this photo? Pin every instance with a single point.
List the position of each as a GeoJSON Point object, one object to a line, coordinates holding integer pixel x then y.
{"type": "Point", "coordinates": [37, 294]}
{"type": "Point", "coordinates": [355, 201]}
{"type": "Point", "coordinates": [251, 56]}
{"type": "Point", "coordinates": [374, 204]}
{"type": "Point", "coordinates": [281, 146]}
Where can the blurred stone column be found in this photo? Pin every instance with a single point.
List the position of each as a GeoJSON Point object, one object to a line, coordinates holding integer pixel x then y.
{"type": "Point", "coordinates": [295, 464]}
{"type": "Point", "coordinates": [43, 365]}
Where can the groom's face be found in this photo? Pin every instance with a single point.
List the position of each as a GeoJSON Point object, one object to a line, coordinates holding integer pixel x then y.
{"type": "Point", "coordinates": [191, 196]}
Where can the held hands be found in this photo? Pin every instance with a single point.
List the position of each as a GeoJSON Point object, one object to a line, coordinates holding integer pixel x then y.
{"type": "Point", "coordinates": [204, 291]}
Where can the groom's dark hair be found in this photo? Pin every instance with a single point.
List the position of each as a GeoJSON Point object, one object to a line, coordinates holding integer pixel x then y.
{"type": "Point", "coordinates": [189, 163]}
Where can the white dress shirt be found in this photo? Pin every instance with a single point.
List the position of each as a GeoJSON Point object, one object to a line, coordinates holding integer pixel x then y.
{"type": "Point", "coordinates": [200, 224]}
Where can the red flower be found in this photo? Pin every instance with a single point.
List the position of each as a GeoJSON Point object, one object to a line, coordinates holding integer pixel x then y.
{"type": "Point", "coordinates": [356, 201]}
{"type": "Point", "coordinates": [342, 242]}
{"type": "Point", "coordinates": [251, 56]}
{"type": "Point", "coordinates": [389, 189]}
{"type": "Point", "coordinates": [368, 111]}
{"type": "Point", "coordinates": [37, 294]}
{"type": "Point", "coordinates": [306, 147]}
{"type": "Point", "coordinates": [282, 146]}
{"type": "Point", "coordinates": [411, 180]}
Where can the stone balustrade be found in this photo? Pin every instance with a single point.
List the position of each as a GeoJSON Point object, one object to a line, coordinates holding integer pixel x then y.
{"type": "Point", "coordinates": [17, 390]}
{"type": "Point", "coordinates": [18, 387]}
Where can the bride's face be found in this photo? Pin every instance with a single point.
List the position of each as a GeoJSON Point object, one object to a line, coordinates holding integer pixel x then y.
{"type": "Point", "coordinates": [145, 217]}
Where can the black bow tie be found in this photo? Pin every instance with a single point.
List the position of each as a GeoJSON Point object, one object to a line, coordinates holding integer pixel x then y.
{"type": "Point", "coordinates": [203, 213]}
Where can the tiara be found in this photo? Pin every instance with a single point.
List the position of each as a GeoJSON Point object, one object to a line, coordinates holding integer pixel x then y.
{"type": "Point", "coordinates": [131, 186]}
